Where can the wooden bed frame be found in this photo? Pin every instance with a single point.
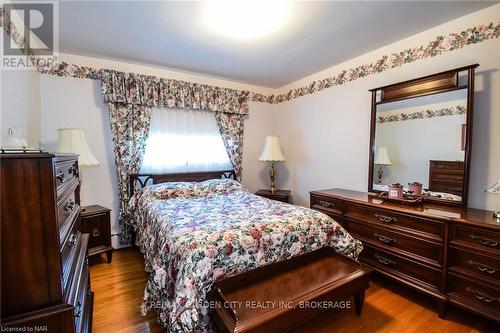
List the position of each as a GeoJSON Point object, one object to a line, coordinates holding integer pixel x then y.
{"type": "Point", "coordinates": [139, 181]}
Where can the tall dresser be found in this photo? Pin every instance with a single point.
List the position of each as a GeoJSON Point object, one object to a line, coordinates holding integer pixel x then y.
{"type": "Point", "coordinates": [447, 252]}
{"type": "Point", "coordinates": [44, 268]}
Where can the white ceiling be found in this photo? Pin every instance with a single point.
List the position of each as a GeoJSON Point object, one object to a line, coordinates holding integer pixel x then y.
{"type": "Point", "coordinates": [175, 35]}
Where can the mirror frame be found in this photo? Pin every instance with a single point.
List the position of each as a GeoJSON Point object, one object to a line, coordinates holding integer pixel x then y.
{"type": "Point", "coordinates": [423, 86]}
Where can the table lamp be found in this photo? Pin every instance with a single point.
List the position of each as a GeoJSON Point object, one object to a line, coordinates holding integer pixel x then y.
{"type": "Point", "coordinates": [381, 159]}
{"type": "Point", "coordinates": [73, 141]}
{"type": "Point", "coordinates": [272, 153]}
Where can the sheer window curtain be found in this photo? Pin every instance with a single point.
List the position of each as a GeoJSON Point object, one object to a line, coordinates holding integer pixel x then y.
{"type": "Point", "coordinates": [183, 140]}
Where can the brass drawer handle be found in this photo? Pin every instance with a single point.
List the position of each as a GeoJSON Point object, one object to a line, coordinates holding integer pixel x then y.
{"type": "Point", "coordinates": [96, 232]}
{"type": "Point", "coordinates": [484, 241]}
{"type": "Point", "coordinates": [78, 309]}
{"type": "Point", "coordinates": [384, 260]}
{"type": "Point", "coordinates": [385, 239]}
{"type": "Point", "coordinates": [326, 204]}
{"type": "Point", "coordinates": [60, 176]}
{"type": "Point", "coordinates": [481, 296]}
{"type": "Point", "coordinates": [483, 267]}
{"type": "Point", "coordinates": [386, 219]}
{"type": "Point", "coordinates": [70, 205]}
{"type": "Point", "coordinates": [72, 240]}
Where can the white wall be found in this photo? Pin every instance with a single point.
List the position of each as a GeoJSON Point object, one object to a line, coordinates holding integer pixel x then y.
{"type": "Point", "coordinates": [326, 134]}
{"type": "Point", "coordinates": [20, 104]}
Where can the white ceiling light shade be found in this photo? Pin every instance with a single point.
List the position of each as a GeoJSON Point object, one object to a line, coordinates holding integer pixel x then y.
{"type": "Point", "coordinates": [244, 19]}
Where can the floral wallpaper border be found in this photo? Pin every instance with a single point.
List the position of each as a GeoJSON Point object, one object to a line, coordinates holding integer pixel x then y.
{"type": "Point", "coordinates": [449, 111]}
{"type": "Point", "coordinates": [11, 30]}
{"type": "Point", "coordinates": [438, 46]}
{"type": "Point", "coordinates": [442, 44]}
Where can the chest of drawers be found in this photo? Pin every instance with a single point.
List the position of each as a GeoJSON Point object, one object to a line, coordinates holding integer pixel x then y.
{"type": "Point", "coordinates": [446, 176]}
{"type": "Point", "coordinates": [45, 275]}
{"type": "Point", "coordinates": [449, 253]}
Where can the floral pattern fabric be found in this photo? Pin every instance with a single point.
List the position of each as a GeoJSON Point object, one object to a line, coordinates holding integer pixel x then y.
{"type": "Point", "coordinates": [193, 234]}
{"type": "Point", "coordinates": [130, 88]}
{"type": "Point", "coordinates": [63, 69]}
{"type": "Point", "coordinates": [440, 45]}
{"type": "Point", "coordinates": [231, 129]}
{"type": "Point", "coordinates": [403, 116]}
{"type": "Point", "coordinates": [129, 128]}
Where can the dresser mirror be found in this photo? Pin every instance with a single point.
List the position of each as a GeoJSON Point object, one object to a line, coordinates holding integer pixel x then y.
{"type": "Point", "coordinates": [421, 136]}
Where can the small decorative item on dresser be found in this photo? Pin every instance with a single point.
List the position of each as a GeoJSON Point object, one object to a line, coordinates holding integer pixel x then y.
{"type": "Point", "coordinates": [396, 191]}
{"type": "Point", "coordinates": [280, 195]}
{"type": "Point", "coordinates": [96, 222]}
{"type": "Point", "coordinates": [415, 188]}
{"type": "Point", "coordinates": [495, 189]}
{"type": "Point", "coordinates": [272, 153]}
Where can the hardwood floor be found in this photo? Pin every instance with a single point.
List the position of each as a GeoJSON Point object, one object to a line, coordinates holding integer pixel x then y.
{"type": "Point", "coordinates": [388, 307]}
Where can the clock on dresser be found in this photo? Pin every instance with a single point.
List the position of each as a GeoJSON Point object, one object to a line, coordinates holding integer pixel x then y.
{"type": "Point", "coordinates": [96, 223]}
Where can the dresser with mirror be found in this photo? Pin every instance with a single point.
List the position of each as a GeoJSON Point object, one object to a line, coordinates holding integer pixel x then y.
{"type": "Point", "coordinates": [421, 133]}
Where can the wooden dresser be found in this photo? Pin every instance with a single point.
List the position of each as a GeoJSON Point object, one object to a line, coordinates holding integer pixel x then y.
{"type": "Point", "coordinates": [44, 268]}
{"type": "Point", "coordinates": [449, 253]}
{"type": "Point", "coordinates": [447, 176]}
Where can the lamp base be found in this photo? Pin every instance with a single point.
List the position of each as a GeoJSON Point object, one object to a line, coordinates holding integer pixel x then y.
{"type": "Point", "coordinates": [272, 173]}
{"type": "Point", "coordinates": [380, 174]}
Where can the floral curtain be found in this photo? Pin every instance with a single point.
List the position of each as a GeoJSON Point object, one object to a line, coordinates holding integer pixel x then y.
{"type": "Point", "coordinates": [136, 89]}
{"type": "Point", "coordinates": [231, 130]}
{"type": "Point", "coordinates": [129, 128]}
{"type": "Point", "coordinates": [131, 97]}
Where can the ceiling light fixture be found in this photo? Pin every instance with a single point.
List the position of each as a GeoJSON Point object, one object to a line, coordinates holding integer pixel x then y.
{"type": "Point", "coordinates": [243, 19]}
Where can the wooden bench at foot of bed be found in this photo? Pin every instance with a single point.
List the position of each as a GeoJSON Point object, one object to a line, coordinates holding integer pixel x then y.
{"type": "Point", "coordinates": [282, 295]}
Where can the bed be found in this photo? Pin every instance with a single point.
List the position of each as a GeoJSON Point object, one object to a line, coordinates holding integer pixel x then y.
{"type": "Point", "coordinates": [195, 229]}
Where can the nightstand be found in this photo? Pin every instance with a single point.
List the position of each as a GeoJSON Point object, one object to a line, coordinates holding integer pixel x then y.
{"type": "Point", "coordinates": [96, 223]}
{"type": "Point", "coordinates": [280, 195]}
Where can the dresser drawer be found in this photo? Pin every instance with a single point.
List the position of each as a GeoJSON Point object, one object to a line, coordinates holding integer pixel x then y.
{"type": "Point", "coordinates": [395, 265]}
{"type": "Point", "coordinates": [327, 205]}
{"type": "Point", "coordinates": [392, 241]}
{"type": "Point", "coordinates": [472, 262]}
{"type": "Point", "coordinates": [447, 166]}
{"type": "Point", "coordinates": [67, 213]}
{"type": "Point", "coordinates": [475, 292]}
{"type": "Point", "coordinates": [98, 228]}
{"type": "Point", "coordinates": [447, 187]}
{"type": "Point", "coordinates": [452, 178]}
{"type": "Point", "coordinates": [69, 254]}
{"type": "Point", "coordinates": [66, 172]}
{"type": "Point", "coordinates": [476, 238]}
{"type": "Point", "coordinates": [410, 225]}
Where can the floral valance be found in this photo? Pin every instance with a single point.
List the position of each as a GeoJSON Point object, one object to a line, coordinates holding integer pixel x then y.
{"type": "Point", "coordinates": [137, 89]}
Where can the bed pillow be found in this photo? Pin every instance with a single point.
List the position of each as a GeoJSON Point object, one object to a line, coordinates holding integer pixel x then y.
{"type": "Point", "coordinates": [219, 186]}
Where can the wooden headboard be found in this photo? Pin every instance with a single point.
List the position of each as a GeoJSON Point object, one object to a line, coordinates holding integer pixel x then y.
{"type": "Point", "coordinates": [140, 180]}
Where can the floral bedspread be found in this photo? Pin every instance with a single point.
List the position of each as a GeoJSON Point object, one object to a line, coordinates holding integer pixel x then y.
{"type": "Point", "coordinates": [193, 234]}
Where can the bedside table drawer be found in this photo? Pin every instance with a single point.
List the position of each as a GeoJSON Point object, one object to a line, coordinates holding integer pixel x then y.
{"type": "Point", "coordinates": [98, 229]}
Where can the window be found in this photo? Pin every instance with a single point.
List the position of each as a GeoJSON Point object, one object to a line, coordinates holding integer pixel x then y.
{"type": "Point", "coordinates": [184, 140]}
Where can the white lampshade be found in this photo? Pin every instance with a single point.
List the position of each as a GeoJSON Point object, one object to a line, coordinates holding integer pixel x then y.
{"type": "Point", "coordinates": [73, 141]}
{"type": "Point", "coordinates": [272, 150]}
{"type": "Point", "coordinates": [382, 157]}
